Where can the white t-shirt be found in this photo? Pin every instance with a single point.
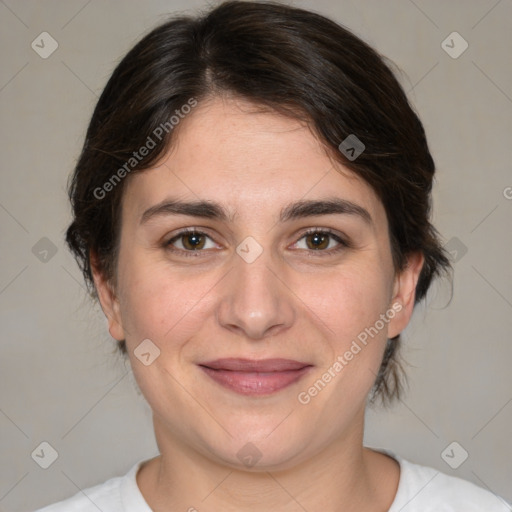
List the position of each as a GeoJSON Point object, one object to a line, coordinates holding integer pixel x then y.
{"type": "Point", "coordinates": [420, 489]}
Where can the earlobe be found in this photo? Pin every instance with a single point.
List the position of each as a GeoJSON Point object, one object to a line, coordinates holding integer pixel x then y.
{"type": "Point", "coordinates": [404, 293]}
{"type": "Point", "coordinates": [108, 299]}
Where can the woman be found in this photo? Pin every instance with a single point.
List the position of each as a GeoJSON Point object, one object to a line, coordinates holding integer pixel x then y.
{"type": "Point", "coordinates": [251, 208]}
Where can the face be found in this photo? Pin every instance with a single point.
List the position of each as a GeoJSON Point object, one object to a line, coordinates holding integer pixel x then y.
{"type": "Point", "coordinates": [269, 306]}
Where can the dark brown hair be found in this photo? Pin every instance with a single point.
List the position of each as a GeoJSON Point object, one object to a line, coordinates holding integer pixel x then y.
{"type": "Point", "coordinates": [286, 59]}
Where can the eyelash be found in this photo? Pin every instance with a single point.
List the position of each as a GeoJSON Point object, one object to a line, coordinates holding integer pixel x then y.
{"type": "Point", "coordinates": [342, 244]}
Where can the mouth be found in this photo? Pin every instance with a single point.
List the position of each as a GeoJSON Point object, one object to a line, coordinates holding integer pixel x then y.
{"type": "Point", "coordinates": [255, 377]}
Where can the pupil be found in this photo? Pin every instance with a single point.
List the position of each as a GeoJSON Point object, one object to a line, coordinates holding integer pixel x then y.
{"type": "Point", "coordinates": [193, 240]}
{"type": "Point", "coordinates": [318, 240]}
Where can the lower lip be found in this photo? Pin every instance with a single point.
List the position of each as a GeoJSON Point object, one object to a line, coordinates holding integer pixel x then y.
{"type": "Point", "coordinates": [255, 383]}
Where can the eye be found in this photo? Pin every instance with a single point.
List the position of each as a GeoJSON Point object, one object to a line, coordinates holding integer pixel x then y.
{"type": "Point", "coordinates": [192, 242]}
{"type": "Point", "coordinates": [189, 241]}
{"type": "Point", "coordinates": [321, 240]}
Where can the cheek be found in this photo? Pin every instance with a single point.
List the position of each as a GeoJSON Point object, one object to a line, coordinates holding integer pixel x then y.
{"type": "Point", "coordinates": [349, 304]}
{"type": "Point", "coordinates": [358, 340]}
{"type": "Point", "coordinates": [350, 301]}
{"type": "Point", "coordinates": [357, 336]}
{"type": "Point", "coordinates": [158, 303]}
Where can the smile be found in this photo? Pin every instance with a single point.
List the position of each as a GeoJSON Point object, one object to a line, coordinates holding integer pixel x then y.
{"type": "Point", "coordinates": [255, 378]}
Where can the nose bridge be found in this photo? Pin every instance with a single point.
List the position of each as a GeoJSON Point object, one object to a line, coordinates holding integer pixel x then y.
{"type": "Point", "coordinates": [255, 302]}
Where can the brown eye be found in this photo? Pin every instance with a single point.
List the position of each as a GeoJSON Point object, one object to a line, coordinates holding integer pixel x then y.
{"type": "Point", "coordinates": [320, 240]}
{"type": "Point", "coordinates": [193, 241]}
{"type": "Point", "coordinates": [190, 241]}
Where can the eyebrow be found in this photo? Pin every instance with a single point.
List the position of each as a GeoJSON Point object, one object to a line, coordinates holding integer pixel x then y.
{"type": "Point", "coordinates": [293, 211]}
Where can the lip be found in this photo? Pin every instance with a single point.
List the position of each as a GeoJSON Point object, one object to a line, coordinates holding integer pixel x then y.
{"type": "Point", "coordinates": [255, 377]}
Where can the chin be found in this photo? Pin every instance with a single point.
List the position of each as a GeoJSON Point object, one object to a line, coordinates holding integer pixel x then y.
{"type": "Point", "coordinates": [262, 445]}
{"type": "Point", "coordinates": [262, 456]}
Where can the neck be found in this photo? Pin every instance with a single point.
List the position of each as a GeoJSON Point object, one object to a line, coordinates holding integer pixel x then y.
{"type": "Point", "coordinates": [343, 476]}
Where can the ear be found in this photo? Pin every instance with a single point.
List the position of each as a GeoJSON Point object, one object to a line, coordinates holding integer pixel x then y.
{"type": "Point", "coordinates": [404, 293]}
{"type": "Point", "coordinates": [108, 299]}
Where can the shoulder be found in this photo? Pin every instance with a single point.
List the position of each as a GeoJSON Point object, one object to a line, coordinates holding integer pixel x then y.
{"type": "Point", "coordinates": [104, 496]}
{"type": "Point", "coordinates": [110, 495]}
{"type": "Point", "coordinates": [425, 489]}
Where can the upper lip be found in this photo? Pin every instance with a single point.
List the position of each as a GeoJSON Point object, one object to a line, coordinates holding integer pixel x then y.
{"type": "Point", "coordinates": [255, 365]}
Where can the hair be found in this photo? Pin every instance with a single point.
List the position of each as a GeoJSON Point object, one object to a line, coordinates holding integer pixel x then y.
{"type": "Point", "coordinates": [285, 59]}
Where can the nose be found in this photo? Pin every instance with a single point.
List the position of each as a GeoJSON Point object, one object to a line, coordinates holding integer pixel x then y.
{"type": "Point", "coordinates": [255, 301]}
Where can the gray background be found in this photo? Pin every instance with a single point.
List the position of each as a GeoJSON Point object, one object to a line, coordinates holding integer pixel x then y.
{"type": "Point", "coordinates": [62, 382]}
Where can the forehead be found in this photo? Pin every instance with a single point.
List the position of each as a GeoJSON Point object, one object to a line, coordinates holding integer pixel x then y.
{"type": "Point", "coordinates": [232, 152]}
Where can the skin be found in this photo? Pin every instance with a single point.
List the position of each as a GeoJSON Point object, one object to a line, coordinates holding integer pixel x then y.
{"type": "Point", "coordinates": [293, 302]}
